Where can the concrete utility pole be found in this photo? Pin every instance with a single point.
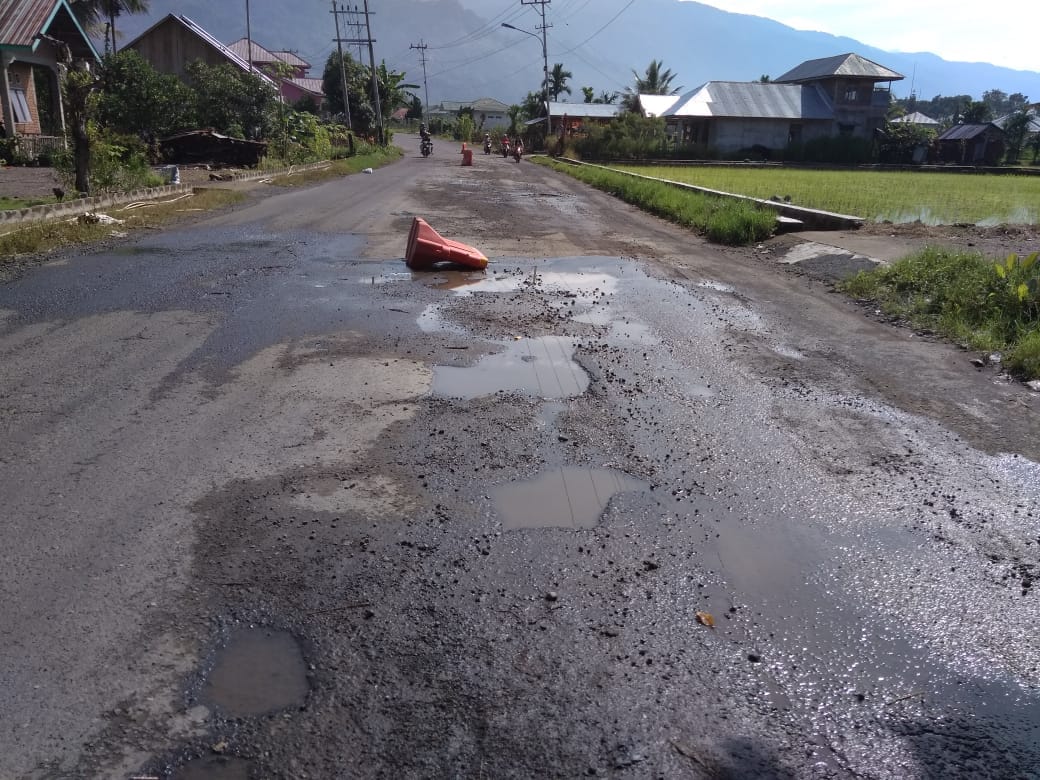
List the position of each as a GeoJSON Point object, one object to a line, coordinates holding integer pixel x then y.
{"type": "Point", "coordinates": [368, 39]}
{"type": "Point", "coordinates": [422, 47]}
{"type": "Point", "coordinates": [545, 51]}
{"type": "Point", "coordinates": [342, 65]}
{"type": "Point", "coordinates": [249, 40]}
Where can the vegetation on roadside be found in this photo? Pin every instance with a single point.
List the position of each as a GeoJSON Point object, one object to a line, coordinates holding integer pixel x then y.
{"type": "Point", "coordinates": [35, 237]}
{"type": "Point", "coordinates": [368, 157]}
{"type": "Point", "coordinates": [721, 220]}
{"type": "Point", "coordinates": [896, 196]}
{"type": "Point", "coordinates": [984, 304]}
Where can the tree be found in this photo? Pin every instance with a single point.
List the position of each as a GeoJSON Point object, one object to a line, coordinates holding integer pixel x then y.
{"type": "Point", "coordinates": [1016, 128]}
{"type": "Point", "coordinates": [359, 87]}
{"type": "Point", "coordinates": [764, 79]}
{"type": "Point", "coordinates": [93, 13]}
{"type": "Point", "coordinates": [136, 99]}
{"type": "Point", "coordinates": [607, 98]}
{"type": "Point", "coordinates": [657, 80]}
{"type": "Point", "coordinates": [233, 102]}
{"type": "Point", "coordinates": [976, 112]}
{"type": "Point", "coordinates": [589, 93]}
{"type": "Point", "coordinates": [415, 110]}
{"type": "Point", "coordinates": [78, 88]}
{"type": "Point", "coordinates": [558, 81]}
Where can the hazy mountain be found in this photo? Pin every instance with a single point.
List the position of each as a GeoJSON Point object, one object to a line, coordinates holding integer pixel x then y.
{"type": "Point", "coordinates": [471, 55]}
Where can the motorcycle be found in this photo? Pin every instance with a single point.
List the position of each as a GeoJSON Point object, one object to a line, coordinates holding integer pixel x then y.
{"type": "Point", "coordinates": [505, 148]}
{"type": "Point", "coordinates": [518, 152]}
{"type": "Point", "coordinates": [487, 146]}
{"type": "Point", "coordinates": [426, 147]}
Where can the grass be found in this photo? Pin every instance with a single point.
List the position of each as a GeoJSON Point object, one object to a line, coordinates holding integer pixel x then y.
{"type": "Point", "coordinates": [36, 237]}
{"type": "Point", "coordinates": [9, 203]}
{"type": "Point", "coordinates": [984, 304]}
{"type": "Point", "coordinates": [721, 220]}
{"type": "Point", "coordinates": [896, 196]}
{"type": "Point", "coordinates": [343, 167]}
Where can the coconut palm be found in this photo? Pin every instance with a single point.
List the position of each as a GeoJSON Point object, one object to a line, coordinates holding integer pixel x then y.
{"type": "Point", "coordinates": [94, 13]}
{"type": "Point", "coordinates": [558, 81]}
{"type": "Point", "coordinates": [657, 80]}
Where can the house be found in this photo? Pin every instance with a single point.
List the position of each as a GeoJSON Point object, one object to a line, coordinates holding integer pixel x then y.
{"type": "Point", "coordinates": [575, 117]}
{"type": "Point", "coordinates": [286, 66]}
{"type": "Point", "coordinates": [488, 113]}
{"type": "Point", "coordinates": [832, 96]}
{"type": "Point", "coordinates": [972, 144]}
{"type": "Point", "coordinates": [174, 42]}
{"type": "Point", "coordinates": [38, 39]}
{"type": "Point", "coordinates": [917, 118]}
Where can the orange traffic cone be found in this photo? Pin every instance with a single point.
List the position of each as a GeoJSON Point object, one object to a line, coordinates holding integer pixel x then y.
{"type": "Point", "coordinates": [426, 249]}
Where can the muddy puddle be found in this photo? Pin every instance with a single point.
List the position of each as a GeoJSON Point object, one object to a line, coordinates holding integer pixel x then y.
{"type": "Point", "coordinates": [213, 768]}
{"type": "Point", "coordinates": [543, 367]}
{"type": "Point", "coordinates": [567, 497]}
{"type": "Point", "coordinates": [259, 671]}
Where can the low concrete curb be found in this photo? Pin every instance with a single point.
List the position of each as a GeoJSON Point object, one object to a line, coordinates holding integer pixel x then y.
{"type": "Point", "coordinates": [809, 219]}
{"type": "Point", "coordinates": [72, 208]}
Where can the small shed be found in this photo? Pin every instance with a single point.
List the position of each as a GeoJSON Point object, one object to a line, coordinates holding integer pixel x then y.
{"type": "Point", "coordinates": [207, 146]}
{"type": "Point", "coordinates": [972, 144]}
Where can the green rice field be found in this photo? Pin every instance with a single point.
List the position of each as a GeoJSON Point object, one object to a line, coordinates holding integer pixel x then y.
{"type": "Point", "coordinates": [895, 196]}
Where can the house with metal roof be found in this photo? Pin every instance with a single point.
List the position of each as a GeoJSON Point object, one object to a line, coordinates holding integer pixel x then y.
{"type": "Point", "coordinates": [38, 38]}
{"type": "Point", "coordinates": [972, 144]}
{"type": "Point", "coordinates": [294, 87]}
{"type": "Point", "coordinates": [833, 96]}
{"type": "Point", "coordinates": [174, 42]}
{"type": "Point", "coordinates": [916, 118]}
{"type": "Point", "coordinates": [488, 113]}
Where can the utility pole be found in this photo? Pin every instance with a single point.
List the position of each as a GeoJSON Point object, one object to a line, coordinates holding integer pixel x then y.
{"type": "Point", "coordinates": [545, 52]}
{"type": "Point", "coordinates": [375, 80]}
{"type": "Point", "coordinates": [422, 47]}
{"type": "Point", "coordinates": [249, 40]}
{"type": "Point", "coordinates": [342, 65]}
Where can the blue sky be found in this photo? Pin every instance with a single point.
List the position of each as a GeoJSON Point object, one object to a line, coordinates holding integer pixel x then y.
{"type": "Point", "coordinates": [1001, 32]}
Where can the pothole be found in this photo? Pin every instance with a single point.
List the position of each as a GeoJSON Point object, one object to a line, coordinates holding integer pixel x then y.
{"type": "Point", "coordinates": [542, 366]}
{"type": "Point", "coordinates": [214, 768]}
{"type": "Point", "coordinates": [567, 497]}
{"type": "Point", "coordinates": [261, 670]}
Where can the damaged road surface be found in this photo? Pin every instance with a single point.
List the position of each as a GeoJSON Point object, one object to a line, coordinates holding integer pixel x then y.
{"type": "Point", "coordinates": [625, 505]}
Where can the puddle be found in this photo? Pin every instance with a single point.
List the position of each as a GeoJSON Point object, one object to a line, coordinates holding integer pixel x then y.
{"type": "Point", "coordinates": [214, 768]}
{"type": "Point", "coordinates": [543, 367]}
{"type": "Point", "coordinates": [261, 670]}
{"type": "Point", "coordinates": [431, 321]}
{"type": "Point", "coordinates": [584, 284]}
{"type": "Point", "coordinates": [567, 497]}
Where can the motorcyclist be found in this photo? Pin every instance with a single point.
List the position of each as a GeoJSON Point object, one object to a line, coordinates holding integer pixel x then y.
{"type": "Point", "coordinates": [424, 132]}
{"type": "Point", "coordinates": [518, 149]}
{"type": "Point", "coordinates": [505, 146]}
{"type": "Point", "coordinates": [487, 143]}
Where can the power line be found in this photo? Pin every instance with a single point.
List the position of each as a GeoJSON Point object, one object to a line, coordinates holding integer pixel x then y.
{"type": "Point", "coordinates": [601, 29]}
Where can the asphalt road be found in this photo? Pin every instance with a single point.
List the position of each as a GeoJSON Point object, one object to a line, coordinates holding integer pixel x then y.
{"type": "Point", "coordinates": [626, 505]}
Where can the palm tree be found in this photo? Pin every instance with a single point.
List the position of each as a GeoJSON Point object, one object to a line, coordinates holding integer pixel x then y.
{"type": "Point", "coordinates": [558, 81]}
{"type": "Point", "coordinates": [657, 80]}
{"type": "Point", "coordinates": [93, 13]}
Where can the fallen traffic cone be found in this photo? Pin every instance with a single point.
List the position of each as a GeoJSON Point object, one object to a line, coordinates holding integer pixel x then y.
{"type": "Point", "coordinates": [426, 250]}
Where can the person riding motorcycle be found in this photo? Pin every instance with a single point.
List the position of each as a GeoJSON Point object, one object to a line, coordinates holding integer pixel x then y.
{"type": "Point", "coordinates": [505, 146]}
{"type": "Point", "coordinates": [518, 150]}
{"type": "Point", "coordinates": [487, 143]}
{"type": "Point", "coordinates": [426, 140]}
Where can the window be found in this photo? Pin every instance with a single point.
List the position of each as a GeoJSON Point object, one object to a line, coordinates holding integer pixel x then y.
{"type": "Point", "coordinates": [851, 95]}
{"type": "Point", "coordinates": [794, 134]}
{"type": "Point", "coordinates": [19, 105]}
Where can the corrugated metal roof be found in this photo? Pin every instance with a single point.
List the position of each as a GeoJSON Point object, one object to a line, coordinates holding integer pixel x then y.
{"type": "Point", "coordinates": [965, 132]}
{"type": "Point", "coordinates": [261, 55]}
{"type": "Point", "coordinates": [22, 20]}
{"type": "Point", "coordinates": [839, 65]}
{"type": "Point", "coordinates": [585, 110]}
{"type": "Point", "coordinates": [293, 59]}
{"type": "Point", "coordinates": [311, 85]}
{"type": "Point", "coordinates": [656, 105]}
{"type": "Point", "coordinates": [753, 100]}
{"type": "Point", "coordinates": [1032, 127]}
{"type": "Point", "coordinates": [915, 118]}
{"type": "Point", "coordinates": [484, 104]}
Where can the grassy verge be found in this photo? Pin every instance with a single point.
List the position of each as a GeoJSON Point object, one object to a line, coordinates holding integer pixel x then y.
{"type": "Point", "coordinates": [985, 304]}
{"type": "Point", "coordinates": [897, 196]}
{"type": "Point", "coordinates": [721, 220]}
{"type": "Point", "coordinates": [34, 237]}
{"type": "Point", "coordinates": [343, 167]}
{"type": "Point", "coordinates": [8, 203]}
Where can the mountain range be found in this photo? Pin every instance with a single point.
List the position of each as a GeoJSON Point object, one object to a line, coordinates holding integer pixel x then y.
{"type": "Point", "coordinates": [470, 55]}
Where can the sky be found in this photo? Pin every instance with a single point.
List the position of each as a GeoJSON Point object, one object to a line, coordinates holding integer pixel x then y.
{"type": "Point", "coordinates": [1001, 32]}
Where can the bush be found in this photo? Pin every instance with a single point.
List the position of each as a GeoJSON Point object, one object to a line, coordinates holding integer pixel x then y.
{"type": "Point", "coordinates": [1024, 358]}
{"type": "Point", "coordinates": [117, 163]}
{"type": "Point", "coordinates": [628, 137]}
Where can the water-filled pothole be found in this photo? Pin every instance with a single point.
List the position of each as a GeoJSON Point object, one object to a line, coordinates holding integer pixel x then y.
{"type": "Point", "coordinates": [214, 768]}
{"type": "Point", "coordinates": [542, 366]}
{"type": "Point", "coordinates": [567, 497]}
{"type": "Point", "coordinates": [260, 671]}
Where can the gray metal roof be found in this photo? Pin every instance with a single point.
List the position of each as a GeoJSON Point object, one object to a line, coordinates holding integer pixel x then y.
{"type": "Point", "coordinates": [753, 100]}
{"type": "Point", "coordinates": [849, 64]}
{"type": "Point", "coordinates": [966, 132]}
{"type": "Point", "coordinates": [916, 118]}
{"type": "Point", "coordinates": [585, 110]}
{"type": "Point", "coordinates": [1032, 127]}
